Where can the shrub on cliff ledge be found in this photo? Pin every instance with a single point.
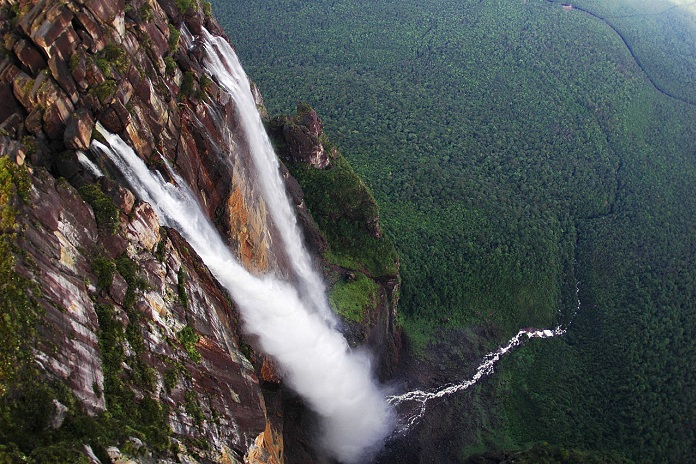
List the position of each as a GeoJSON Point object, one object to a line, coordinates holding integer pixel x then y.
{"type": "Point", "coordinates": [347, 213]}
{"type": "Point", "coordinates": [189, 338]}
{"type": "Point", "coordinates": [185, 5]}
{"type": "Point", "coordinates": [105, 211]}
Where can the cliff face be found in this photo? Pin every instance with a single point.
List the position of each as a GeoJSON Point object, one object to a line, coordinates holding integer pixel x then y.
{"type": "Point", "coordinates": [120, 344]}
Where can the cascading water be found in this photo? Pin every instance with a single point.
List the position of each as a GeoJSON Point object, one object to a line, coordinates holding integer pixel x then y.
{"type": "Point", "coordinates": [335, 382]}
{"type": "Point", "coordinates": [223, 64]}
{"type": "Point", "coordinates": [421, 398]}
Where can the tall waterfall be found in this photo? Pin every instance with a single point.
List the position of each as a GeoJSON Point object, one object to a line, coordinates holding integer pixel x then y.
{"type": "Point", "coordinates": [223, 64]}
{"type": "Point", "coordinates": [336, 383]}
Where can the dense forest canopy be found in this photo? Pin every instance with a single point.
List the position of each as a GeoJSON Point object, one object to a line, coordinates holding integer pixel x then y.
{"type": "Point", "coordinates": [518, 149]}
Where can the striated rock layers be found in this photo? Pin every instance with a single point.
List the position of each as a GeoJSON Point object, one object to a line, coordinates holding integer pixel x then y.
{"type": "Point", "coordinates": [129, 346]}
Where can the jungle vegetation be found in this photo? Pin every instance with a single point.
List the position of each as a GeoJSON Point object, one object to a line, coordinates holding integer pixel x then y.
{"type": "Point", "coordinates": [520, 150]}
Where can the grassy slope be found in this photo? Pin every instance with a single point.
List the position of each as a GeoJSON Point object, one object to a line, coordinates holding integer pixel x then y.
{"type": "Point", "coordinates": [502, 141]}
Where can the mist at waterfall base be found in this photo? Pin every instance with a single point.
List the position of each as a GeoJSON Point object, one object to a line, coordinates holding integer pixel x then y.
{"type": "Point", "coordinates": [336, 382]}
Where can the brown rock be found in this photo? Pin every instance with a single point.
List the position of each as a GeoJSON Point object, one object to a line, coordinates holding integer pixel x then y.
{"type": "Point", "coordinates": [107, 11]}
{"type": "Point", "coordinates": [23, 88]}
{"type": "Point", "coordinates": [51, 29]}
{"type": "Point", "coordinates": [140, 137]}
{"type": "Point", "coordinates": [65, 44]}
{"type": "Point", "coordinates": [160, 44]}
{"type": "Point", "coordinates": [194, 20]}
{"type": "Point", "coordinates": [172, 11]}
{"type": "Point", "coordinates": [93, 30]}
{"type": "Point", "coordinates": [115, 118]}
{"type": "Point", "coordinates": [269, 447]}
{"type": "Point", "coordinates": [55, 118]}
{"type": "Point", "coordinates": [304, 146]}
{"type": "Point", "coordinates": [141, 86]}
{"type": "Point", "coordinates": [78, 132]}
{"type": "Point", "coordinates": [124, 92]}
{"type": "Point", "coordinates": [8, 103]}
{"type": "Point", "coordinates": [270, 371]}
{"type": "Point", "coordinates": [78, 69]}
{"type": "Point", "coordinates": [12, 125]}
{"type": "Point", "coordinates": [34, 122]}
{"type": "Point", "coordinates": [8, 71]}
{"type": "Point", "coordinates": [66, 164]}
{"type": "Point", "coordinates": [61, 73]}
{"type": "Point", "coordinates": [122, 198]}
{"type": "Point", "coordinates": [308, 118]}
{"type": "Point", "coordinates": [10, 148]}
{"type": "Point", "coordinates": [58, 229]}
{"type": "Point", "coordinates": [29, 56]}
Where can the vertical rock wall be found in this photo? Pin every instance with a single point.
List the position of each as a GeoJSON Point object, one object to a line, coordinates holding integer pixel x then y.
{"type": "Point", "coordinates": [132, 67]}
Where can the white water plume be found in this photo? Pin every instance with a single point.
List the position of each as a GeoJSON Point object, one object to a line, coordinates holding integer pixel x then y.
{"type": "Point", "coordinates": [421, 397]}
{"type": "Point", "coordinates": [335, 382]}
{"type": "Point", "coordinates": [223, 64]}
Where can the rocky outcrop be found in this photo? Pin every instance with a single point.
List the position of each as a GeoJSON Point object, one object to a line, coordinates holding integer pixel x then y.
{"type": "Point", "coordinates": [302, 134]}
{"type": "Point", "coordinates": [133, 69]}
{"type": "Point", "coordinates": [346, 225]}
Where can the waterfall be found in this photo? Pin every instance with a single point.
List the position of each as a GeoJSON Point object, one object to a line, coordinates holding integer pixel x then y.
{"type": "Point", "coordinates": [335, 382]}
{"type": "Point", "coordinates": [223, 64]}
{"type": "Point", "coordinates": [89, 165]}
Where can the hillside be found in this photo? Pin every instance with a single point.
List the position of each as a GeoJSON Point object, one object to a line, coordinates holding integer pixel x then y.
{"type": "Point", "coordinates": [518, 150]}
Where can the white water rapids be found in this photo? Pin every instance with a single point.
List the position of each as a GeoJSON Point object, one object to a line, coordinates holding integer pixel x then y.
{"type": "Point", "coordinates": [421, 397]}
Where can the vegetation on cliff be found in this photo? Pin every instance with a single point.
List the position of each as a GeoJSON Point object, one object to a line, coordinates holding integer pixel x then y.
{"type": "Point", "coordinates": [347, 215]}
{"type": "Point", "coordinates": [18, 311]}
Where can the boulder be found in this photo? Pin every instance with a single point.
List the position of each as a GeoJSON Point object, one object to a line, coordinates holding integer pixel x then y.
{"type": "Point", "coordinates": [91, 30]}
{"type": "Point", "coordinates": [115, 118]}
{"type": "Point", "coordinates": [50, 28]}
{"type": "Point", "coordinates": [61, 74]}
{"type": "Point", "coordinates": [307, 117]}
{"type": "Point", "coordinates": [33, 121]}
{"type": "Point", "coordinates": [66, 164]}
{"type": "Point", "coordinates": [8, 103]}
{"type": "Point", "coordinates": [78, 131]}
{"type": "Point", "coordinates": [304, 146]}
{"type": "Point", "coordinates": [56, 116]}
{"type": "Point", "coordinates": [29, 56]}
{"type": "Point", "coordinates": [107, 11]}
